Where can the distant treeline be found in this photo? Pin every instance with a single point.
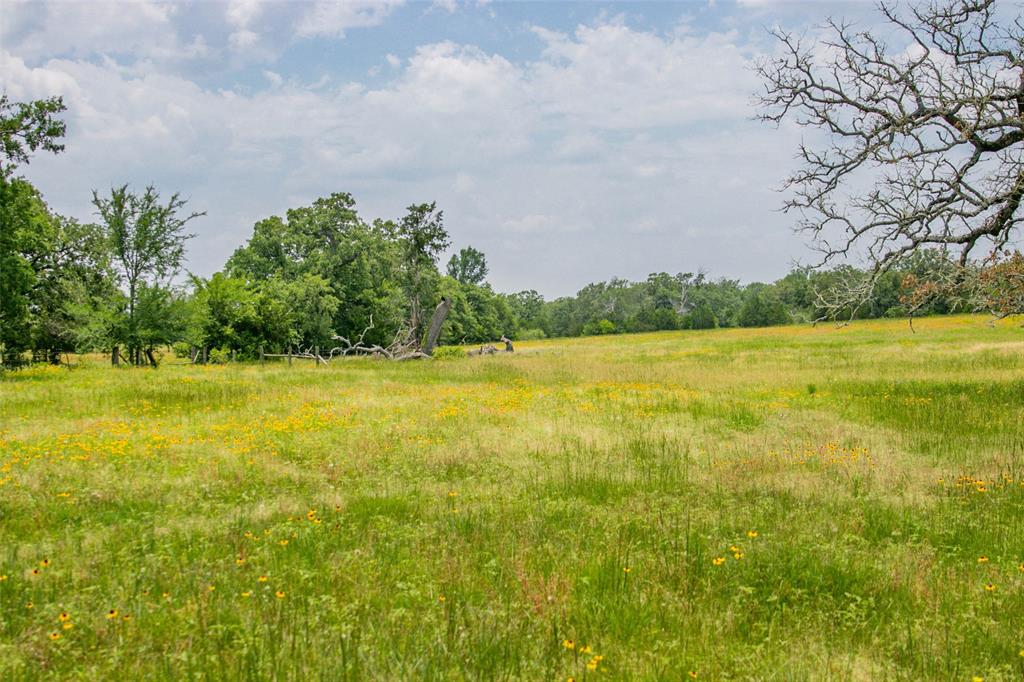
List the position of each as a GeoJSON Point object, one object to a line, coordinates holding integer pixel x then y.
{"type": "Point", "coordinates": [321, 271]}
{"type": "Point", "coordinates": [300, 281]}
{"type": "Point", "coordinates": [695, 301]}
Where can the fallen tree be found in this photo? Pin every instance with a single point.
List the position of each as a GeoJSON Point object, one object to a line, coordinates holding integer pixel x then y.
{"type": "Point", "coordinates": [490, 349]}
{"type": "Point", "coordinates": [404, 346]}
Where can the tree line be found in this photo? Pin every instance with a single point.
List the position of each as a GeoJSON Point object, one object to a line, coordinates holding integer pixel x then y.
{"type": "Point", "coordinates": [116, 284]}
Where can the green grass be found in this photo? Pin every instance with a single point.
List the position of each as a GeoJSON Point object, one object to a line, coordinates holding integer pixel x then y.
{"type": "Point", "coordinates": [463, 518]}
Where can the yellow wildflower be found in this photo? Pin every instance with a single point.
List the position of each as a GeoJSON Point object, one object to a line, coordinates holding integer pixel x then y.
{"type": "Point", "coordinates": [718, 561]}
{"type": "Point", "coordinates": [568, 644]}
{"type": "Point", "coordinates": [279, 594]}
{"type": "Point", "coordinates": [111, 614]}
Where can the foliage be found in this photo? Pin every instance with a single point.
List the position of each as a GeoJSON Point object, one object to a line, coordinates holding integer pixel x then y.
{"type": "Point", "coordinates": [147, 242]}
{"type": "Point", "coordinates": [1000, 285]}
{"type": "Point", "coordinates": [468, 266]}
{"type": "Point", "coordinates": [762, 307]}
{"type": "Point", "coordinates": [421, 238]}
{"type": "Point", "coordinates": [26, 127]}
{"type": "Point", "coordinates": [448, 353]}
{"type": "Point", "coordinates": [24, 218]}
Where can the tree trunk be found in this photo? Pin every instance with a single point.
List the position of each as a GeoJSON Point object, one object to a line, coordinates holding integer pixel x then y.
{"type": "Point", "coordinates": [440, 313]}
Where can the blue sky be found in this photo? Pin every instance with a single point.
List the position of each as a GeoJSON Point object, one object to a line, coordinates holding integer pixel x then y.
{"type": "Point", "coordinates": [571, 142]}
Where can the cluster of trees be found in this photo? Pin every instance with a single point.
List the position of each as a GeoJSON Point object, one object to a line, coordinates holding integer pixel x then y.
{"type": "Point", "coordinates": [693, 301]}
{"type": "Point", "coordinates": [116, 284]}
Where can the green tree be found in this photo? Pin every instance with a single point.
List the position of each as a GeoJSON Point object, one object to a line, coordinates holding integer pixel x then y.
{"type": "Point", "coordinates": [23, 223]}
{"type": "Point", "coordinates": [762, 307]}
{"type": "Point", "coordinates": [147, 241]}
{"type": "Point", "coordinates": [26, 127]}
{"type": "Point", "coordinates": [161, 318]}
{"type": "Point", "coordinates": [329, 240]}
{"type": "Point", "coordinates": [468, 266]}
{"type": "Point", "coordinates": [225, 314]}
{"type": "Point", "coordinates": [700, 317]}
{"type": "Point", "coordinates": [529, 312]}
{"type": "Point", "coordinates": [422, 237]}
{"type": "Point", "coordinates": [73, 268]}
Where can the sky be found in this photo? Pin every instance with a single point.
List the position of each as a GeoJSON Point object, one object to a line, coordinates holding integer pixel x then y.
{"type": "Point", "coordinates": [570, 142]}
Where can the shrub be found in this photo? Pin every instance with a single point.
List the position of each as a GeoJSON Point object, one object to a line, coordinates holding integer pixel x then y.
{"type": "Point", "coordinates": [531, 335]}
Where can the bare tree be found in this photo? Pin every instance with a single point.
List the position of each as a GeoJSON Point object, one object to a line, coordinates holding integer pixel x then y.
{"type": "Point", "coordinates": [925, 142]}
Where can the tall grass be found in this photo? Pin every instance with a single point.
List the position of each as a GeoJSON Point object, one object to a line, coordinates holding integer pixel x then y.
{"type": "Point", "coordinates": [791, 503]}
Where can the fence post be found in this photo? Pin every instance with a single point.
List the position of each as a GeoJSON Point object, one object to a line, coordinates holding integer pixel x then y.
{"type": "Point", "coordinates": [261, 355]}
{"type": "Point", "coordinates": [289, 356]}
{"type": "Point", "coordinates": [316, 360]}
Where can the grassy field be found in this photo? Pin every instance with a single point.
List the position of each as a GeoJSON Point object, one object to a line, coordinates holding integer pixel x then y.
{"type": "Point", "coordinates": [789, 503]}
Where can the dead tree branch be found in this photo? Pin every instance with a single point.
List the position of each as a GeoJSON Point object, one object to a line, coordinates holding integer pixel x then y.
{"type": "Point", "coordinates": [923, 144]}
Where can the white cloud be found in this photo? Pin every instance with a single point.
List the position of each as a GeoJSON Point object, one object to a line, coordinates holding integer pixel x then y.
{"type": "Point", "coordinates": [143, 29]}
{"type": "Point", "coordinates": [243, 39]}
{"type": "Point", "coordinates": [333, 19]}
{"type": "Point", "coordinates": [446, 5]}
{"type": "Point", "coordinates": [464, 182]}
{"type": "Point", "coordinates": [241, 13]}
{"type": "Point", "coordinates": [611, 76]}
{"type": "Point", "coordinates": [274, 78]}
{"type": "Point", "coordinates": [616, 152]}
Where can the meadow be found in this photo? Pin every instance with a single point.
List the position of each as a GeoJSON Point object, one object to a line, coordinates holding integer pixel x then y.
{"type": "Point", "coordinates": [789, 503]}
